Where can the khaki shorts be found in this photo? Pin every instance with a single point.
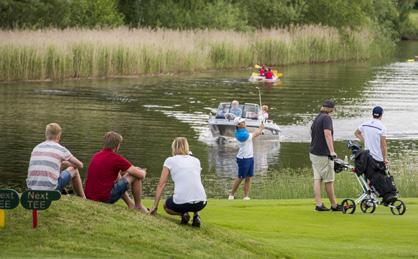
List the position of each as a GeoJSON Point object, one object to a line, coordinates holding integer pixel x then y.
{"type": "Point", "coordinates": [323, 168]}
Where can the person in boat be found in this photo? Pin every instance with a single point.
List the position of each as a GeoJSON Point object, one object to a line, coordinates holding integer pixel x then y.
{"type": "Point", "coordinates": [189, 194]}
{"type": "Point", "coordinates": [235, 109]}
{"type": "Point", "coordinates": [245, 157]}
{"type": "Point", "coordinates": [264, 112]}
{"type": "Point", "coordinates": [52, 166]}
{"type": "Point", "coordinates": [269, 74]}
{"type": "Point", "coordinates": [262, 70]}
{"type": "Point", "coordinates": [109, 176]}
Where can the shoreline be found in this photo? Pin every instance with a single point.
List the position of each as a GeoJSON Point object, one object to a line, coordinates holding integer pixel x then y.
{"type": "Point", "coordinates": [173, 74]}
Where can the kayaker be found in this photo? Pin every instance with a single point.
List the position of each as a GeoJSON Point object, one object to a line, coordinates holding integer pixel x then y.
{"type": "Point", "coordinates": [269, 74]}
{"type": "Point", "coordinates": [262, 70]}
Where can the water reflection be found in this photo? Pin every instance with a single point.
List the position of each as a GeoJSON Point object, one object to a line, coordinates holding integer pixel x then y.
{"type": "Point", "coordinates": [222, 157]}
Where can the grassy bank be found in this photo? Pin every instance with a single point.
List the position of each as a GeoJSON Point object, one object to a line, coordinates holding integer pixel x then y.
{"type": "Point", "coordinates": [72, 53]}
{"type": "Point", "coordinates": [231, 229]}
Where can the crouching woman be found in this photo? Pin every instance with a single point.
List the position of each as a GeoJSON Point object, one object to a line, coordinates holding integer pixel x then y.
{"type": "Point", "coordinates": [189, 194]}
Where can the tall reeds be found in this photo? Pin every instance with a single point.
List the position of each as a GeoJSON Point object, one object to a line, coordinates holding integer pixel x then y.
{"type": "Point", "coordinates": [78, 53]}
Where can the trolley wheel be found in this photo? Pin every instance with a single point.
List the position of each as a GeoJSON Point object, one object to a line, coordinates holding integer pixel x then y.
{"type": "Point", "coordinates": [397, 207]}
{"type": "Point", "coordinates": [349, 206]}
{"type": "Point", "coordinates": [367, 206]}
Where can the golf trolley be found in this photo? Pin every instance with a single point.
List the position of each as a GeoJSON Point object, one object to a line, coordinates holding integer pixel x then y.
{"type": "Point", "coordinates": [373, 187]}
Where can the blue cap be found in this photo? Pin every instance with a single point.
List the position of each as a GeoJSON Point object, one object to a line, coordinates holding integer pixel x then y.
{"type": "Point", "coordinates": [242, 134]}
{"type": "Point", "coordinates": [377, 111]}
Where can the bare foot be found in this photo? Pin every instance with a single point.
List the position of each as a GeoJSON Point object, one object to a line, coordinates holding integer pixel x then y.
{"type": "Point", "coordinates": [142, 209]}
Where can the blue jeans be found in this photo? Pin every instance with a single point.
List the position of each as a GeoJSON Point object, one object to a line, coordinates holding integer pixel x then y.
{"type": "Point", "coordinates": [118, 189]}
{"type": "Point", "coordinates": [63, 180]}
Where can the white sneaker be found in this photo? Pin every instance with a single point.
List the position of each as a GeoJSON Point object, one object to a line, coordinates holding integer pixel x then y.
{"type": "Point", "coordinates": [246, 198]}
{"type": "Point", "coordinates": [230, 197]}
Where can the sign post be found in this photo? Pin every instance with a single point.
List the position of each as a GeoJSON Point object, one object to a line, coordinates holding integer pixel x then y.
{"type": "Point", "coordinates": [38, 200]}
{"type": "Point", "coordinates": [9, 199]}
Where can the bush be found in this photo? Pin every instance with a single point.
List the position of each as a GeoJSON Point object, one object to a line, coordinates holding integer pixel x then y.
{"type": "Point", "coordinates": [34, 14]}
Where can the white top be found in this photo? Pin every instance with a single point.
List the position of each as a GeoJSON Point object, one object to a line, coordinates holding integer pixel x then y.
{"type": "Point", "coordinates": [45, 164]}
{"type": "Point", "coordinates": [246, 148]}
{"type": "Point", "coordinates": [372, 132]}
{"type": "Point", "coordinates": [185, 173]}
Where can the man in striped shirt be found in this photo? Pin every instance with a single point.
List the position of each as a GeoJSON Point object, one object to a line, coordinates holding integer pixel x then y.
{"type": "Point", "coordinates": [52, 166]}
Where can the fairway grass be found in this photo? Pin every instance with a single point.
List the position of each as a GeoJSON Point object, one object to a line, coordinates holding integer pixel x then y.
{"type": "Point", "coordinates": [231, 229]}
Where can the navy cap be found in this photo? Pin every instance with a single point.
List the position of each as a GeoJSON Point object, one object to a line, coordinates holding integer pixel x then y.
{"type": "Point", "coordinates": [328, 104]}
{"type": "Point", "coordinates": [377, 111]}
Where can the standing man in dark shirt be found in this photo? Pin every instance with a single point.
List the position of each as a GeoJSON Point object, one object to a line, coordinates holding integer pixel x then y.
{"type": "Point", "coordinates": [320, 151]}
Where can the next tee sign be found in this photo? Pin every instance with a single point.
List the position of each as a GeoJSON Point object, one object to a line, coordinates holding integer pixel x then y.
{"type": "Point", "coordinates": [39, 200]}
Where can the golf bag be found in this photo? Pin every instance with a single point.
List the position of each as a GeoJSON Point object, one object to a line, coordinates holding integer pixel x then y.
{"type": "Point", "coordinates": [380, 180]}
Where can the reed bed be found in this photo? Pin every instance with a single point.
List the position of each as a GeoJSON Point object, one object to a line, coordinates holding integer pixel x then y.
{"type": "Point", "coordinates": [79, 53]}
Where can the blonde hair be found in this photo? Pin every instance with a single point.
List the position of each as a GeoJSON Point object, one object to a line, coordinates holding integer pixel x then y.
{"type": "Point", "coordinates": [52, 131]}
{"type": "Point", "coordinates": [180, 146]}
{"type": "Point", "coordinates": [112, 139]}
{"type": "Point", "coordinates": [264, 108]}
{"type": "Point", "coordinates": [327, 109]}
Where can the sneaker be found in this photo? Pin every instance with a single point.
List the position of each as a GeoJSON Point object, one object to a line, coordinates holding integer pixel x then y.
{"type": "Point", "coordinates": [321, 208]}
{"type": "Point", "coordinates": [231, 197]}
{"type": "Point", "coordinates": [185, 218]}
{"type": "Point", "coordinates": [338, 208]}
{"type": "Point", "coordinates": [246, 198]}
{"type": "Point", "coordinates": [196, 221]}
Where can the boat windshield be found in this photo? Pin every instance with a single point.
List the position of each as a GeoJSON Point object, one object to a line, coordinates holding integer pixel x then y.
{"type": "Point", "coordinates": [251, 111]}
{"type": "Point", "coordinates": [223, 109]}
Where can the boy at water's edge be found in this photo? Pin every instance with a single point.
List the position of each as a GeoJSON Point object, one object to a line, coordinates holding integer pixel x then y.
{"type": "Point", "coordinates": [52, 166]}
{"type": "Point", "coordinates": [245, 157]}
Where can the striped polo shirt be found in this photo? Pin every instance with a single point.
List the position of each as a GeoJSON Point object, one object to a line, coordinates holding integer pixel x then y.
{"type": "Point", "coordinates": [45, 164]}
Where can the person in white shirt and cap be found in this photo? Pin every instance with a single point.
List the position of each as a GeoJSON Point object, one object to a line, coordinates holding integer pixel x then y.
{"type": "Point", "coordinates": [373, 134]}
{"type": "Point", "coordinates": [245, 157]}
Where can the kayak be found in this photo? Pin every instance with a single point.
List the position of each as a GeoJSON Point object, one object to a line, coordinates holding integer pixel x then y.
{"type": "Point", "coordinates": [255, 77]}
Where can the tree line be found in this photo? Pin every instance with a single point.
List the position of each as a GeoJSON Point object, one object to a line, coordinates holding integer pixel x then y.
{"type": "Point", "coordinates": [391, 16]}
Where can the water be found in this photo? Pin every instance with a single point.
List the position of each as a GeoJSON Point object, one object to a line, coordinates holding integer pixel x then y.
{"type": "Point", "coordinates": [149, 112]}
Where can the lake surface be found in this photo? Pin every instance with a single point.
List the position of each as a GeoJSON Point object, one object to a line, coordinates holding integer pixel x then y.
{"type": "Point", "coordinates": [150, 111]}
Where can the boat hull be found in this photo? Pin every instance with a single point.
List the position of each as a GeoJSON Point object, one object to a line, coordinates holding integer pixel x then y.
{"type": "Point", "coordinates": [226, 128]}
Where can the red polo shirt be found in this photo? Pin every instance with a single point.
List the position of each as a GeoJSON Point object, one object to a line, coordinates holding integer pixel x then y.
{"type": "Point", "coordinates": [102, 173]}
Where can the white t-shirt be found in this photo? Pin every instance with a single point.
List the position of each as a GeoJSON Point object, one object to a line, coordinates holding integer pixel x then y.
{"type": "Point", "coordinates": [246, 148]}
{"type": "Point", "coordinates": [45, 164]}
{"type": "Point", "coordinates": [372, 131]}
{"type": "Point", "coordinates": [185, 173]}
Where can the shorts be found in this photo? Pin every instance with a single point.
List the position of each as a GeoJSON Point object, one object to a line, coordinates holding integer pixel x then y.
{"type": "Point", "coordinates": [64, 179]}
{"type": "Point", "coordinates": [185, 207]}
{"type": "Point", "coordinates": [323, 168]}
{"type": "Point", "coordinates": [118, 189]}
{"type": "Point", "coordinates": [245, 167]}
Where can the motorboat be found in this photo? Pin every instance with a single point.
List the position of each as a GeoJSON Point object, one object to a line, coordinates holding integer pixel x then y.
{"type": "Point", "coordinates": [221, 121]}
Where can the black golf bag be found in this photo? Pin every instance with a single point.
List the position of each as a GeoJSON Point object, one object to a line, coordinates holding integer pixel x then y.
{"type": "Point", "coordinates": [380, 181]}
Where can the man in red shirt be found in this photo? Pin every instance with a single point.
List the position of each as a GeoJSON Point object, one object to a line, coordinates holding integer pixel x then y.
{"type": "Point", "coordinates": [109, 175]}
{"type": "Point", "coordinates": [269, 74]}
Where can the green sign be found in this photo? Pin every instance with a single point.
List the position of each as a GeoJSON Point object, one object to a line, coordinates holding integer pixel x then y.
{"type": "Point", "coordinates": [9, 199]}
{"type": "Point", "coordinates": [39, 200]}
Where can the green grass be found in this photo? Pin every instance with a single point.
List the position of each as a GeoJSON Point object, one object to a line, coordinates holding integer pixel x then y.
{"type": "Point", "coordinates": [231, 229]}
{"type": "Point", "coordinates": [77, 53]}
